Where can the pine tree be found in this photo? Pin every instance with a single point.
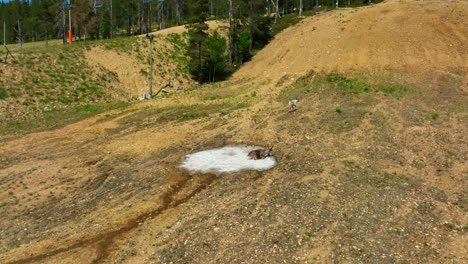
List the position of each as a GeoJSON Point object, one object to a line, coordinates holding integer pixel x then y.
{"type": "Point", "coordinates": [197, 50]}
{"type": "Point", "coordinates": [216, 60]}
{"type": "Point", "coordinates": [105, 24]}
{"type": "Point", "coordinates": [259, 25]}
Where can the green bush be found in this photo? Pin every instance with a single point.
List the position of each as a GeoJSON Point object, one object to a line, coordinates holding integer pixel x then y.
{"type": "Point", "coordinates": [3, 93]}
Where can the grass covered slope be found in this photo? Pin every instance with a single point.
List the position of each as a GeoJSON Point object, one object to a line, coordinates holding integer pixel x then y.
{"type": "Point", "coordinates": [58, 84]}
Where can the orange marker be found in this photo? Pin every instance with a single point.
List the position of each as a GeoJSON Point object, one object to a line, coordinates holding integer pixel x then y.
{"type": "Point", "coordinates": [70, 36]}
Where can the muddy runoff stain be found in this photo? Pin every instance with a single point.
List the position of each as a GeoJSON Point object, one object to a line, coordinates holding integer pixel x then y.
{"type": "Point", "coordinates": [195, 173]}
{"type": "Point", "coordinates": [183, 188]}
{"type": "Point", "coordinates": [225, 160]}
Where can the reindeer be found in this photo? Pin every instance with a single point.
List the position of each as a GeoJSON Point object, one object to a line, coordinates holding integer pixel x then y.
{"type": "Point", "coordinates": [260, 153]}
{"type": "Point", "coordinates": [292, 104]}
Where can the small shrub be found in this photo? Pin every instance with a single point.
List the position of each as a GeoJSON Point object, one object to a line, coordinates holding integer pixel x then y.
{"type": "Point", "coordinates": [398, 91]}
{"type": "Point", "coordinates": [449, 225]}
{"type": "Point", "coordinates": [3, 93]}
{"type": "Point", "coordinates": [145, 73]}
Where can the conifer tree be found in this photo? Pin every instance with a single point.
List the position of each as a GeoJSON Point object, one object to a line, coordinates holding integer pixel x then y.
{"type": "Point", "coordinates": [197, 50]}
{"type": "Point", "coordinates": [217, 58]}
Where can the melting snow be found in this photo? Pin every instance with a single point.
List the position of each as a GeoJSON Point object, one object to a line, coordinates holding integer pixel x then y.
{"type": "Point", "coordinates": [225, 160]}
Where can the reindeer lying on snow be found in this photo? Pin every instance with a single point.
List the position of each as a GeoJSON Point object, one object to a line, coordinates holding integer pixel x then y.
{"type": "Point", "coordinates": [260, 153]}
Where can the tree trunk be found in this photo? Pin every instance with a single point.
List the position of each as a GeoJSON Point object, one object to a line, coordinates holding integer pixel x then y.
{"type": "Point", "coordinates": [20, 37]}
{"type": "Point", "coordinates": [63, 27]}
{"type": "Point", "coordinates": [268, 8]}
{"type": "Point", "coordinates": [211, 7]}
{"type": "Point", "coordinates": [230, 32]}
{"type": "Point", "coordinates": [200, 73]}
{"type": "Point", "coordinates": [251, 22]}
{"type": "Point", "coordinates": [300, 7]}
{"type": "Point", "coordinates": [129, 22]}
{"type": "Point", "coordinates": [97, 20]}
{"type": "Point", "coordinates": [179, 10]}
{"type": "Point", "coordinates": [140, 26]}
{"type": "Point", "coordinates": [276, 12]}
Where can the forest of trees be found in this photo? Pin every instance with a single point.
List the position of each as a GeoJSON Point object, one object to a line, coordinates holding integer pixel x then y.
{"type": "Point", "coordinates": [33, 20]}
{"type": "Point", "coordinates": [249, 24]}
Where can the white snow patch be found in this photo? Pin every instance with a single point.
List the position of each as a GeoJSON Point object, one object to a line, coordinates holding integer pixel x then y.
{"type": "Point", "coordinates": [225, 160]}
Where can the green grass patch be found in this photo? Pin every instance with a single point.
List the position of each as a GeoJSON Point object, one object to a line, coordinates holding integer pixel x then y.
{"type": "Point", "coordinates": [299, 88]}
{"type": "Point", "coordinates": [353, 86]}
{"type": "Point", "coordinates": [57, 118]}
{"type": "Point", "coordinates": [3, 93]}
{"type": "Point", "coordinates": [284, 22]}
{"type": "Point", "coordinates": [397, 91]}
{"type": "Point", "coordinates": [320, 82]}
{"type": "Point", "coordinates": [450, 225]}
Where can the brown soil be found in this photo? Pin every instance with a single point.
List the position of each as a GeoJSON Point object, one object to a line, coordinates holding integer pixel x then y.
{"type": "Point", "coordinates": [361, 178]}
{"type": "Point", "coordinates": [127, 68]}
{"type": "Point", "coordinates": [221, 26]}
{"type": "Point", "coordinates": [399, 35]}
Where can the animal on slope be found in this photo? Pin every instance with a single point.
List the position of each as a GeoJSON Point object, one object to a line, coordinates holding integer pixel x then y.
{"type": "Point", "coordinates": [260, 153]}
{"type": "Point", "coordinates": [292, 104]}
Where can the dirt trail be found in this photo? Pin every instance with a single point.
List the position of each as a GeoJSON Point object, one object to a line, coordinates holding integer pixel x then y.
{"type": "Point", "coordinates": [400, 35]}
{"type": "Point", "coordinates": [176, 195]}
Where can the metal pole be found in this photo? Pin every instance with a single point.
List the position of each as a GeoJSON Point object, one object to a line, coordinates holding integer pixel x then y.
{"type": "Point", "coordinates": [151, 67]}
{"type": "Point", "coordinates": [111, 20]}
{"type": "Point", "coordinates": [69, 17]}
{"type": "Point", "coordinates": [149, 17]}
{"type": "Point", "coordinates": [69, 24]}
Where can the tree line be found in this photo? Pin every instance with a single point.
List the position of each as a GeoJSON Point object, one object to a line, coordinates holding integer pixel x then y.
{"type": "Point", "coordinates": [34, 20]}
{"type": "Point", "coordinates": [249, 28]}
{"type": "Point", "coordinates": [211, 56]}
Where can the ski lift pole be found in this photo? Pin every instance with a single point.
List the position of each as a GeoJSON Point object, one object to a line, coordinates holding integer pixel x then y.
{"type": "Point", "coordinates": [150, 37]}
{"type": "Point", "coordinates": [69, 6]}
{"type": "Point", "coordinates": [96, 6]}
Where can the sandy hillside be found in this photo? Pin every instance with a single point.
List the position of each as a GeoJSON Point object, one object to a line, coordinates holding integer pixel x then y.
{"type": "Point", "coordinates": [221, 26]}
{"type": "Point", "coordinates": [128, 68]}
{"type": "Point", "coordinates": [400, 35]}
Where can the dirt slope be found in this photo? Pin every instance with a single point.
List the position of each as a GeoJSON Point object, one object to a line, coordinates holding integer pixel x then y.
{"type": "Point", "coordinates": [400, 35]}
{"type": "Point", "coordinates": [128, 68]}
{"type": "Point", "coordinates": [372, 168]}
